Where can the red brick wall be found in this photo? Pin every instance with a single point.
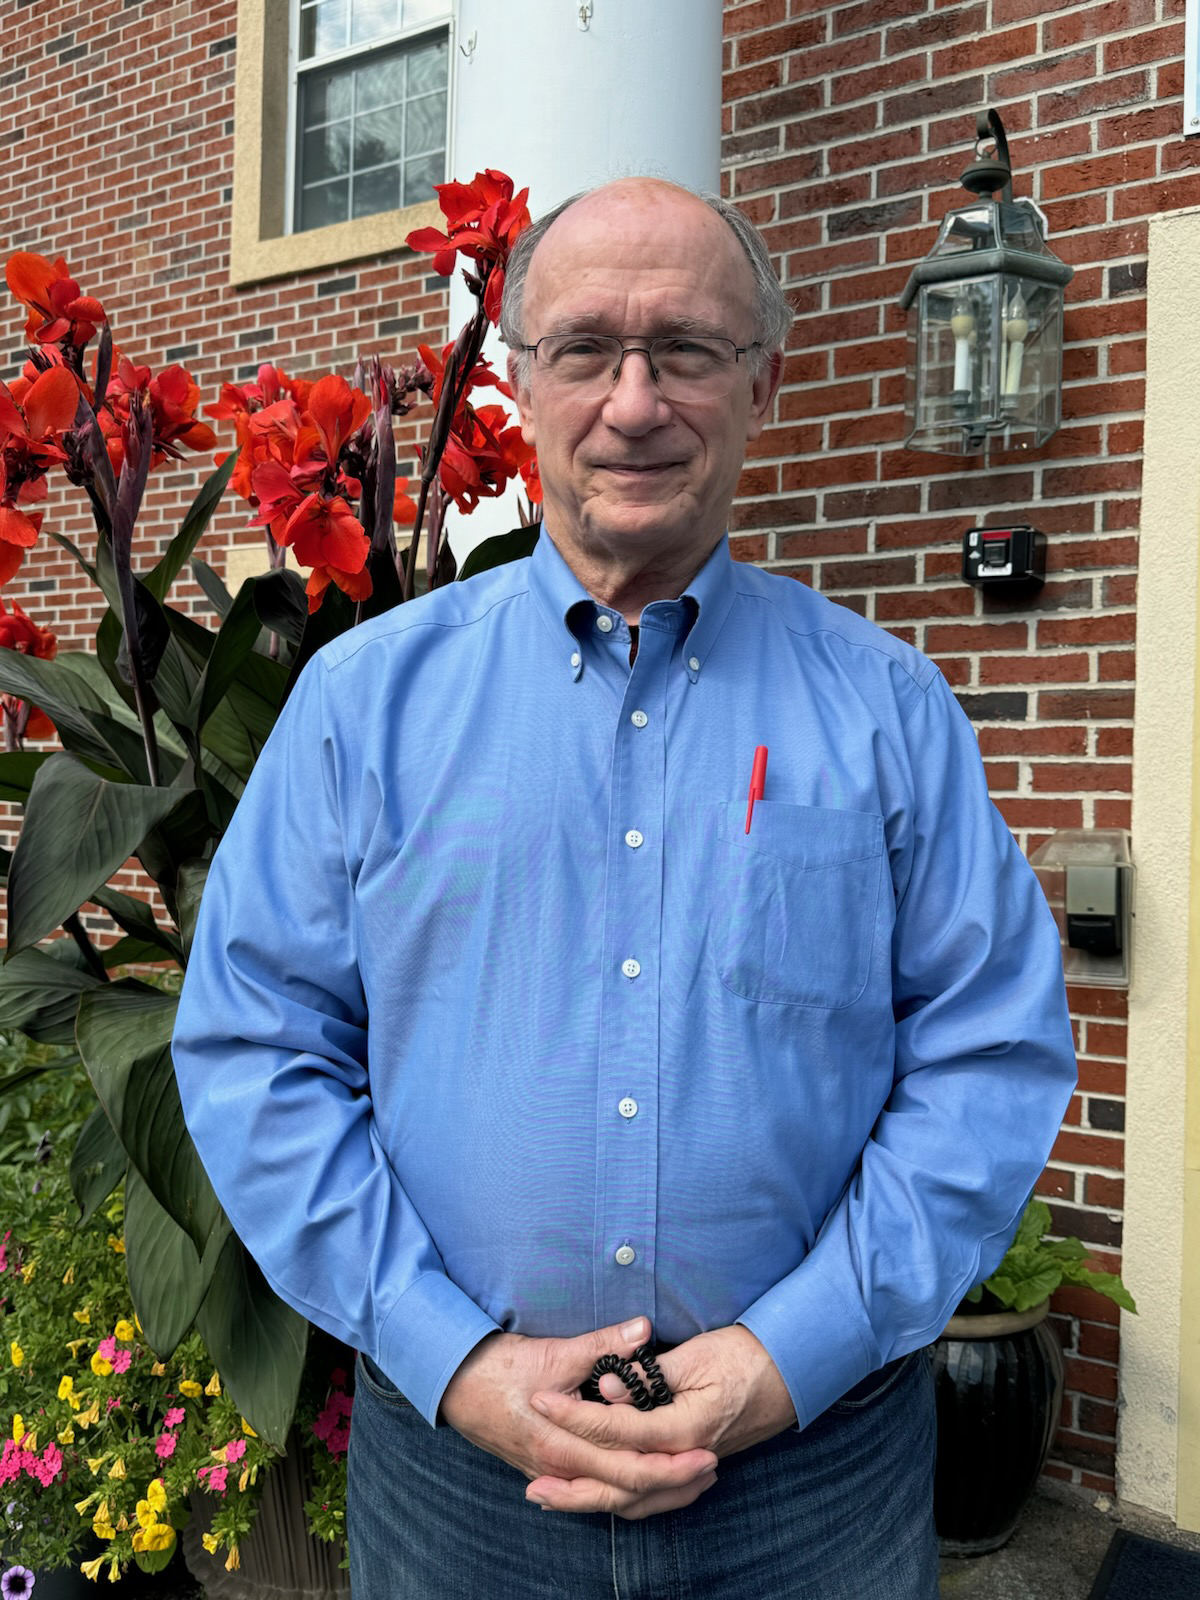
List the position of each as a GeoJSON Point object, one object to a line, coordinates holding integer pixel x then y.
{"type": "Point", "coordinates": [846, 129]}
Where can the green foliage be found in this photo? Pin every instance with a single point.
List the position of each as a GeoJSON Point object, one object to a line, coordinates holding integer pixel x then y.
{"type": "Point", "coordinates": [1034, 1267]}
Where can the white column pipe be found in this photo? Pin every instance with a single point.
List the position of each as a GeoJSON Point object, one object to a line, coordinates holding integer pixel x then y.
{"type": "Point", "coordinates": [563, 95]}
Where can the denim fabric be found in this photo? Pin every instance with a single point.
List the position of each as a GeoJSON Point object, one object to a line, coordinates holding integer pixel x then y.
{"type": "Point", "coordinates": [840, 1511]}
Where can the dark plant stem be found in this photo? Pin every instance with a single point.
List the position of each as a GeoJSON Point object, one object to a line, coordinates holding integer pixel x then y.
{"type": "Point", "coordinates": [139, 442]}
{"type": "Point", "coordinates": [88, 950]}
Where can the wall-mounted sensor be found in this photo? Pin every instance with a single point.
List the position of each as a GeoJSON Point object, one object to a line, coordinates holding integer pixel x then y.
{"type": "Point", "coordinates": [1011, 560]}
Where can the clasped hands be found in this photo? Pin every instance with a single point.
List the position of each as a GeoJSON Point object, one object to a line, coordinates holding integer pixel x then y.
{"type": "Point", "coordinates": [519, 1399]}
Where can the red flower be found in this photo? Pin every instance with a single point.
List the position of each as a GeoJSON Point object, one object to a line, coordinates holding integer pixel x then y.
{"type": "Point", "coordinates": [19, 632]}
{"type": "Point", "coordinates": [334, 414]}
{"type": "Point", "coordinates": [484, 219]}
{"type": "Point", "coordinates": [173, 398]}
{"type": "Point", "coordinates": [57, 310]}
{"type": "Point", "coordinates": [30, 436]}
{"type": "Point", "coordinates": [484, 451]}
{"type": "Point", "coordinates": [532, 479]}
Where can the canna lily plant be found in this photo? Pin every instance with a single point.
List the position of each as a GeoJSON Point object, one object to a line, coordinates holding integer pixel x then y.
{"type": "Point", "coordinates": [160, 725]}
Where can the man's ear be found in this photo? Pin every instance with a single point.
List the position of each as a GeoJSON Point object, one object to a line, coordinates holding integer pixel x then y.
{"type": "Point", "coordinates": [521, 396]}
{"type": "Point", "coordinates": [762, 394]}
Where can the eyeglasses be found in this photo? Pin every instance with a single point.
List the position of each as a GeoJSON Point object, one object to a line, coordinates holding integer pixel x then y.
{"type": "Point", "coordinates": [684, 366]}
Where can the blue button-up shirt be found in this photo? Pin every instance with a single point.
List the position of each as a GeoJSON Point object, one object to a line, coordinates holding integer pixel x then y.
{"type": "Point", "coordinates": [497, 1017]}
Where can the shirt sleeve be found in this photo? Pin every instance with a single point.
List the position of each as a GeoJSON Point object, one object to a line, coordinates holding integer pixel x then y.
{"type": "Point", "coordinates": [984, 1070]}
{"type": "Point", "coordinates": [270, 1051]}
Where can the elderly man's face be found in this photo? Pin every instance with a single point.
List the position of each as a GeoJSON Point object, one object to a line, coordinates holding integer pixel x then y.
{"type": "Point", "coordinates": [626, 472]}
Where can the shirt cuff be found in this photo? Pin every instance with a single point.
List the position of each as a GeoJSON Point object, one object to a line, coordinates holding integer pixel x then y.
{"type": "Point", "coordinates": [427, 1336]}
{"type": "Point", "coordinates": [820, 1344]}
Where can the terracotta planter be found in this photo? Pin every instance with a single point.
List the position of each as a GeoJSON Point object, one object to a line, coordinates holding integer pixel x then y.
{"type": "Point", "coordinates": [999, 1385]}
{"type": "Point", "coordinates": [279, 1561]}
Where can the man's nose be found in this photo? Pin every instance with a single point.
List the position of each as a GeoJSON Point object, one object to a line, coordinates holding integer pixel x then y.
{"type": "Point", "coordinates": [635, 402]}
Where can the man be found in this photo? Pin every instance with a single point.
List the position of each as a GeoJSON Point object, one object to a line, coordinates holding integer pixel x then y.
{"type": "Point", "coordinates": [773, 1086]}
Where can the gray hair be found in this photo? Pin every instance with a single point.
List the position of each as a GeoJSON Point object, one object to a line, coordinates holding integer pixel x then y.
{"type": "Point", "coordinates": [773, 315]}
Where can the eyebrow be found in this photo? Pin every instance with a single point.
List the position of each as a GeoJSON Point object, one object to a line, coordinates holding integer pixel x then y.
{"type": "Point", "coordinates": [586, 322]}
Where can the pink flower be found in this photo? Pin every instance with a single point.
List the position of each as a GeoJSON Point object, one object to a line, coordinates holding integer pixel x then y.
{"type": "Point", "coordinates": [121, 1360]}
{"type": "Point", "coordinates": [337, 1378]}
{"type": "Point", "coordinates": [213, 1478]}
{"type": "Point", "coordinates": [174, 1417]}
{"type": "Point", "coordinates": [107, 1349]}
{"type": "Point", "coordinates": [330, 1425]}
{"type": "Point", "coordinates": [4, 1251]}
{"type": "Point", "coordinates": [49, 1467]}
{"type": "Point", "coordinates": [235, 1450]}
{"type": "Point", "coordinates": [10, 1461]}
{"type": "Point", "coordinates": [164, 1446]}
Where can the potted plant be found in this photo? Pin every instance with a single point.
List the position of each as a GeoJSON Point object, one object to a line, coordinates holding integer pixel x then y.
{"type": "Point", "coordinates": [998, 1374]}
{"type": "Point", "coordinates": [159, 728]}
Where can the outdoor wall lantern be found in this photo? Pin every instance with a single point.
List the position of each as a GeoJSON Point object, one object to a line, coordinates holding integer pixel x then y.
{"type": "Point", "coordinates": [985, 318]}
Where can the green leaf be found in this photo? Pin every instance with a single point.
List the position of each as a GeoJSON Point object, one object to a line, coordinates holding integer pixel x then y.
{"type": "Point", "coordinates": [167, 1279]}
{"type": "Point", "coordinates": [257, 1342]}
{"type": "Point", "coordinates": [98, 1164]}
{"type": "Point", "coordinates": [500, 549]}
{"type": "Point", "coordinates": [192, 529]}
{"type": "Point", "coordinates": [192, 878]}
{"type": "Point", "coordinates": [334, 616]}
{"type": "Point", "coordinates": [129, 952]}
{"type": "Point", "coordinates": [236, 639]}
{"type": "Point", "coordinates": [1105, 1283]}
{"type": "Point", "coordinates": [1065, 1249]}
{"type": "Point", "coordinates": [124, 1033]}
{"type": "Point", "coordinates": [218, 596]}
{"type": "Point", "coordinates": [73, 549]}
{"type": "Point", "coordinates": [79, 829]}
{"type": "Point", "coordinates": [1024, 1278]}
{"type": "Point", "coordinates": [18, 769]}
{"type": "Point", "coordinates": [281, 603]}
{"type": "Point", "coordinates": [39, 994]}
{"type": "Point", "coordinates": [155, 1560]}
{"type": "Point", "coordinates": [137, 918]}
{"type": "Point", "coordinates": [1034, 1223]}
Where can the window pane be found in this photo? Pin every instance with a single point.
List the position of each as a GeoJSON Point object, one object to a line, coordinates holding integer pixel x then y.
{"type": "Point", "coordinates": [420, 176]}
{"type": "Point", "coordinates": [425, 125]}
{"type": "Point", "coordinates": [326, 96]}
{"type": "Point", "coordinates": [427, 67]}
{"type": "Point", "coordinates": [378, 137]}
{"type": "Point", "coordinates": [380, 84]}
{"type": "Point", "coordinates": [418, 11]}
{"type": "Point", "coordinates": [323, 28]}
{"type": "Point", "coordinates": [376, 191]}
{"type": "Point", "coordinates": [327, 203]}
{"type": "Point", "coordinates": [326, 153]}
{"type": "Point", "coordinates": [374, 19]}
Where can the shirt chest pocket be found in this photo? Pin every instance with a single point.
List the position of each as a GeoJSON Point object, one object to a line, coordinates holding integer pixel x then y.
{"type": "Point", "coordinates": [795, 902]}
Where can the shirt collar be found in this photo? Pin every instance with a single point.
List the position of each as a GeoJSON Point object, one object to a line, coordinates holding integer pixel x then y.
{"type": "Point", "coordinates": [562, 601]}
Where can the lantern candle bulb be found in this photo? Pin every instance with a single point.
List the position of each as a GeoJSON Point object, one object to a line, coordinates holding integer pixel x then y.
{"type": "Point", "coordinates": [962, 326]}
{"type": "Point", "coordinates": [1016, 330]}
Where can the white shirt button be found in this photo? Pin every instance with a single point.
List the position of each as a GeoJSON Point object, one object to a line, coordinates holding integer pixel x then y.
{"type": "Point", "coordinates": [639, 719]}
{"type": "Point", "coordinates": [627, 1107]}
{"type": "Point", "coordinates": [633, 839]}
{"type": "Point", "coordinates": [626, 1255]}
{"type": "Point", "coordinates": [575, 658]}
{"type": "Point", "coordinates": [694, 664]}
{"type": "Point", "coordinates": [604, 622]}
{"type": "Point", "coordinates": [631, 968]}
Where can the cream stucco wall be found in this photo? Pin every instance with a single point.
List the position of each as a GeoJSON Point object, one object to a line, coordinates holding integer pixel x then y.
{"type": "Point", "coordinates": [1159, 1442]}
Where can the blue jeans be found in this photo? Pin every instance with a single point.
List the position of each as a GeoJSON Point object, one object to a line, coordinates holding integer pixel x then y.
{"type": "Point", "coordinates": [841, 1511]}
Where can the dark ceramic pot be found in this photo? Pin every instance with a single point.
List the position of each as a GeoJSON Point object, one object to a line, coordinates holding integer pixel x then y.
{"type": "Point", "coordinates": [999, 1385]}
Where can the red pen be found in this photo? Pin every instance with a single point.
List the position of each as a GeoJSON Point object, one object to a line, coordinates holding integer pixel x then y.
{"type": "Point", "coordinates": [758, 781]}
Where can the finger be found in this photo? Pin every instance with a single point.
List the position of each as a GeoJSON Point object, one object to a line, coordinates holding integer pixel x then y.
{"type": "Point", "coordinates": [614, 1391]}
{"type": "Point", "coordinates": [590, 1494]}
{"type": "Point", "coordinates": [626, 1472]}
{"type": "Point", "coordinates": [618, 1338]}
{"type": "Point", "coordinates": [667, 1428]}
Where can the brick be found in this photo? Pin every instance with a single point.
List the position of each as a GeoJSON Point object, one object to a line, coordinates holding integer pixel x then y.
{"type": "Point", "coordinates": [1034, 740]}
{"type": "Point", "coordinates": [1099, 1190]}
{"type": "Point", "coordinates": [1010, 707]}
{"type": "Point", "coordinates": [1094, 93]}
{"type": "Point", "coordinates": [779, 40]}
{"type": "Point", "coordinates": [1086, 704]}
{"type": "Point", "coordinates": [1148, 44]}
{"type": "Point", "coordinates": [1097, 22]}
{"type": "Point", "coordinates": [1056, 1182]}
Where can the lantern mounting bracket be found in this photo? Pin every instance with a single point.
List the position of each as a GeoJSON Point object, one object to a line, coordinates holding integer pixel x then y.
{"type": "Point", "coordinates": [987, 173]}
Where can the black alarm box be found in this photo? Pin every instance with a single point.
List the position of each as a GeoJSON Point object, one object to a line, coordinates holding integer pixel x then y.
{"type": "Point", "coordinates": [1008, 558]}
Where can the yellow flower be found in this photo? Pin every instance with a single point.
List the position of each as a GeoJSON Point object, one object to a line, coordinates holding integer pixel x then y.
{"type": "Point", "coordinates": [116, 1244]}
{"type": "Point", "coordinates": [28, 1272]}
{"type": "Point", "coordinates": [123, 1331]}
{"type": "Point", "coordinates": [69, 1275]}
{"type": "Point", "coordinates": [81, 1506]}
{"type": "Point", "coordinates": [85, 1419]}
{"type": "Point", "coordinates": [191, 1388]}
{"type": "Point", "coordinates": [95, 1463]}
{"type": "Point", "coordinates": [117, 1470]}
{"type": "Point", "coordinates": [18, 1428]}
{"type": "Point", "coordinates": [29, 1442]}
{"type": "Point", "coordinates": [243, 1480]}
{"type": "Point", "coordinates": [157, 1370]}
{"type": "Point", "coordinates": [213, 1387]}
{"type": "Point", "coordinates": [210, 1542]}
{"type": "Point", "coordinates": [137, 1322]}
{"type": "Point", "coordinates": [247, 1429]}
{"type": "Point", "coordinates": [233, 1561]}
{"type": "Point", "coordinates": [103, 1529]}
{"type": "Point", "coordinates": [146, 1514]}
{"type": "Point", "coordinates": [18, 1355]}
{"type": "Point", "coordinates": [159, 1536]}
{"type": "Point", "coordinates": [100, 1367]}
{"type": "Point", "coordinates": [114, 1571]}
{"type": "Point", "coordinates": [84, 1316]}
{"type": "Point", "coordinates": [67, 1435]}
{"type": "Point", "coordinates": [66, 1391]}
{"type": "Point", "coordinates": [91, 1569]}
{"type": "Point", "coordinates": [157, 1495]}
{"type": "Point", "coordinates": [75, 1346]}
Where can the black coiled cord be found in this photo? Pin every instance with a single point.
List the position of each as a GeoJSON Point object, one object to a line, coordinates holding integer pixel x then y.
{"type": "Point", "coordinates": [645, 1399]}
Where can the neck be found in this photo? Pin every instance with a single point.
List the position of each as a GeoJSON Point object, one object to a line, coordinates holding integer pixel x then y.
{"type": "Point", "coordinates": [628, 586]}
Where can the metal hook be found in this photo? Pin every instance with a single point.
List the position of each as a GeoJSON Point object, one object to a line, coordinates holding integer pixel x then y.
{"type": "Point", "coordinates": [585, 14]}
{"type": "Point", "coordinates": [468, 49]}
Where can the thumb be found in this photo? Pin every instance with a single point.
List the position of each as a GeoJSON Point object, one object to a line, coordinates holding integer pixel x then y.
{"type": "Point", "coordinates": [619, 1338]}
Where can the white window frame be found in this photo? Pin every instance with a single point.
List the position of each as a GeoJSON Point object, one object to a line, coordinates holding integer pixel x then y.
{"type": "Point", "coordinates": [296, 68]}
{"type": "Point", "coordinates": [1191, 68]}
